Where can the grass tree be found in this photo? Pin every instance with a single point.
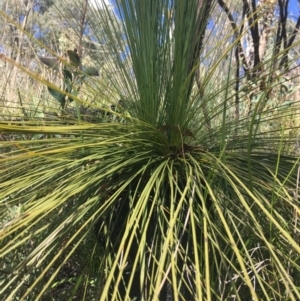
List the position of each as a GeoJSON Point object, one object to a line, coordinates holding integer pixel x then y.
{"type": "Point", "coordinates": [183, 194]}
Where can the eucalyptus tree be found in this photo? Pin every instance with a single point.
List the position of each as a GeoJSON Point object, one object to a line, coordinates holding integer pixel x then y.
{"type": "Point", "coordinates": [182, 195]}
{"type": "Point", "coordinates": [20, 23]}
{"type": "Point", "coordinates": [32, 29]}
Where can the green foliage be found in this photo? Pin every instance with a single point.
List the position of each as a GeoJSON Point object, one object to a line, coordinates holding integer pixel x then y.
{"type": "Point", "coordinates": [188, 191]}
{"type": "Point", "coordinates": [50, 62]}
{"type": "Point", "coordinates": [72, 77]}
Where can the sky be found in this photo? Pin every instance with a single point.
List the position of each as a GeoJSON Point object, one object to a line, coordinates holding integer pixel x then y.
{"type": "Point", "coordinates": [98, 3]}
{"type": "Point", "coordinates": [294, 7]}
